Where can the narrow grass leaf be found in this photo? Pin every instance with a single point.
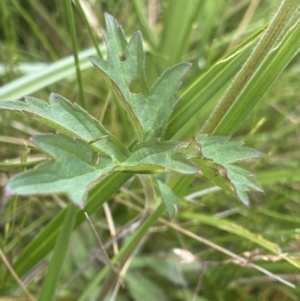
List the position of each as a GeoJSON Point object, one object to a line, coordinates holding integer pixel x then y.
{"type": "Point", "coordinates": [240, 231]}
{"type": "Point", "coordinates": [206, 86]}
{"type": "Point", "coordinates": [276, 61]}
{"type": "Point", "coordinates": [175, 38]}
{"type": "Point", "coordinates": [59, 253]}
{"type": "Point", "coordinates": [55, 72]}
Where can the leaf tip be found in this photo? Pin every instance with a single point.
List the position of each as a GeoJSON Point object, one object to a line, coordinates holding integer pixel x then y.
{"type": "Point", "coordinates": [108, 16]}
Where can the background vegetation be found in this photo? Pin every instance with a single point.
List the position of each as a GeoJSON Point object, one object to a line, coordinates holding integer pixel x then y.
{"type": "Point", "coordinates": [214, 248]}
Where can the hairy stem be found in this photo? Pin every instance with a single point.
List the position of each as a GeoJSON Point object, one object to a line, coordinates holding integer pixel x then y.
{"type": "Point", "coordinates": [266, 42]}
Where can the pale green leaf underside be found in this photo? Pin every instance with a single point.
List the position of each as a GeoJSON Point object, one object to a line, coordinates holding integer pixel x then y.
{"type": "Point", "coordinates": [62, 115]}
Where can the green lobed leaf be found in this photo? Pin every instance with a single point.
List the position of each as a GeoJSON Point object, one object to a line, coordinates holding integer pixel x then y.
{"type": "Point", "coordinates": [224, 152]}
{"type": "Point", "coordinates": [125, 64]}
{"type": "Point", "coordinates": [75, 166]}
{"type": "Point", "coordinates": [154, 110]}
{"type": "Point", "coordinates": [62, 115]}
{"type": "Point", "coordinates": [148, 110]}
{"type": "Point", "coordinates": [214, 156]}
{"type": "Point", "coordinates": [71, 173]}
{"type": "Point", "coordinates": [97, 197]}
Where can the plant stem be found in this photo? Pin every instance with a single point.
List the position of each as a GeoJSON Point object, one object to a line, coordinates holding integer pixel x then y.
{"type": "Point", "coordinates": [75, 50]}
{"type": "Point", "coordinates": [266, 42]}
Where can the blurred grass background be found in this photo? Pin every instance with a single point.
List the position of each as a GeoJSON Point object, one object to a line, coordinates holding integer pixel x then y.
{"type": "Point", "coordinates": [35, 34]}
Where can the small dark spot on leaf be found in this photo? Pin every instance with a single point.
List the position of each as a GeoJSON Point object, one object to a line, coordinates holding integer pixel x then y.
{"type": "Point", "coordinates": [122, 57]}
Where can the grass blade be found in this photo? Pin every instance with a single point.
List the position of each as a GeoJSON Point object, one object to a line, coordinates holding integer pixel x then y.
{"type": "Point", "coordinates": [72, 26]}
{"type": "Point", "coordinates": [205, 87]}
{"type": "Point", "coordinates": [265, 76]}
{"type": "Point", "coordinates": [89, 28]}
{"type": "Point", "coordinates": [60, 251]}
{"type": "Point", "coordinates": [147, 32]}
{"type": "Point", "coordinates": [55, 72]}
{"type": "Point", "coordinates": [176, 35]}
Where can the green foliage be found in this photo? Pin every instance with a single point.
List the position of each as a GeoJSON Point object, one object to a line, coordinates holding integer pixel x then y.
{"type": "Point", "coordinates": [71, 172]}
{"type": "Point", "coordinates": [148, 110]}
{"type": "Point", "coordinates": [74, 168]}
{"type": "Point", "coordinates": [213, 247]}
{"type": "Point", "coordinates": [63, 116]}
{"type": "Point", "coordinates": [219, 154]}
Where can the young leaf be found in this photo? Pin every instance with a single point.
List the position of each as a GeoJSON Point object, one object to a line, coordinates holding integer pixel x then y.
{"type": "Point", "coordinates": [215, 155]}
{"type": "Point", "coordinates": [148, 110]}
{"type": "Point", "coordinates": [71, 173]}
{"type": "Point", "coordinates": [168, 197]}
{"type": "Point", "coordinates": [62, 115]}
